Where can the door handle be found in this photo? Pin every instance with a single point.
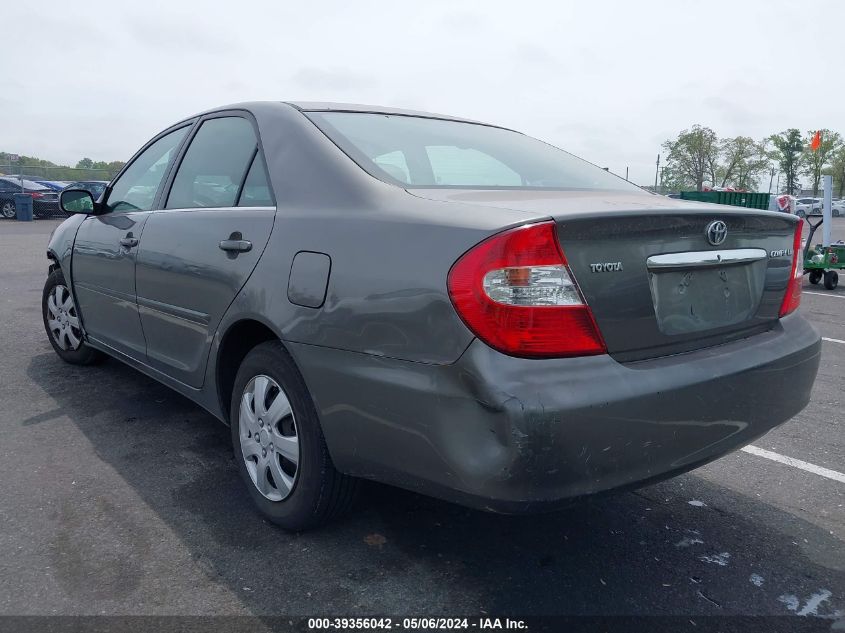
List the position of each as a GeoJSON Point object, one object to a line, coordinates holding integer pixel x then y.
{"type": "Point", "coordinates": [129, 241]}
{"type": "Point", "coordinates": [235, 244]}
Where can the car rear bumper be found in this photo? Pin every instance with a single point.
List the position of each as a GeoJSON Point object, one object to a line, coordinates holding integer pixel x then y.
{"type": "Point", "coordinates": [516, 435]}
{"type": "Point", "coordinates": [47, 208]}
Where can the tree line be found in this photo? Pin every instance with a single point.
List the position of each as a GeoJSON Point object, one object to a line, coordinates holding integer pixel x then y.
{"type": "Point", "coordinates": [699, 158]}
{"type": "Point", "coordinates": [47, 170]}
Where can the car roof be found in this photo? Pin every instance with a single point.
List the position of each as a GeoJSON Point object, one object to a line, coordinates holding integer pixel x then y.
{"type": "Point", "coordinates": [330, 106]}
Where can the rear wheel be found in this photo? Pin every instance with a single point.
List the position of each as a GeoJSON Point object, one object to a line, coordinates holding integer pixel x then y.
{"type": "Point", "coordinates": [7, 210]}
{"type": "Point", "coordinates": [815, 276]}
{"type": "Point", "coordinates": [61, 320]}
{"type": "Point", "coordinates": [279, 446]}
{"type": "Point", "coordinates": [800, 213]}
{"type": "Point", "coordinates": [831, 279]}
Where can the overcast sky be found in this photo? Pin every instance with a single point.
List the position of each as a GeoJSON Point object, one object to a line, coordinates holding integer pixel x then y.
{"type": "Point", "coordinates": [608, 80]}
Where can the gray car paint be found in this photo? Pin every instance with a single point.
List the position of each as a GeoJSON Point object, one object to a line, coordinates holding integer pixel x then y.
{"type": "Point", "coordinates": [405, 393]}
{"type": "Point", "coordinates": [103, 277]}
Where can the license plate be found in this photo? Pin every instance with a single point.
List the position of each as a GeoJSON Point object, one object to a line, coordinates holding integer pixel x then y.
{"type": "Point", "coordinates": [705, 298]}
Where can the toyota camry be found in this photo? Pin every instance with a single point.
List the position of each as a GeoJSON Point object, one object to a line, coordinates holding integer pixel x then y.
{"type": "Point", "coordinates": [443, 305]}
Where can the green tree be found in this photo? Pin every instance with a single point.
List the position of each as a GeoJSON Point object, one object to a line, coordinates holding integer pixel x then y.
{"type": "Point", "coordinates": [788, 154]}
{"type": "Point", "coordinates": [744, 161]}
{"type": "Point", "coordinates": [816, 161]}
{"type": "Point", "coordinates": [693, 156]}
{"type": "Point", "coordinates": [85, 163]}
{"type": "Point", "coordinates": [837, 170]}
{"type": "Point", "coordinates": [672, 181]}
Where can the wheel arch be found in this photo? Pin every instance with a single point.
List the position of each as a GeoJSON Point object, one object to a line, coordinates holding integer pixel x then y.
{"type": "Point", "coordinates": [54, 261]}
{"type": "Point", "coordinates": [237, 341]}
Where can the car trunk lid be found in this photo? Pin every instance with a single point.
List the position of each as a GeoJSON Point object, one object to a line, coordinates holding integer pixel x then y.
{"type": "Point", "coordinates": [656, 284]}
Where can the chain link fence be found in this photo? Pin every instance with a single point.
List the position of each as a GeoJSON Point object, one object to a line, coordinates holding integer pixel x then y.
{"type": "Point", "coordinates": [44, 184]}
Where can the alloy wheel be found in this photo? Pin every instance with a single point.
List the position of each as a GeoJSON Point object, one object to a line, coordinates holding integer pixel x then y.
{"type": "Point", "coordinates": [8, 210]}
{"type": "Point", "coordinates": [63, 320]}
{"type": "Point", "coordinates": [268, 438]}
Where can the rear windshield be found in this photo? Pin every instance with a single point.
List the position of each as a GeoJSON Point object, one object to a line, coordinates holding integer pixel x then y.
{"type": "Point", "coordinates": [419, 152]}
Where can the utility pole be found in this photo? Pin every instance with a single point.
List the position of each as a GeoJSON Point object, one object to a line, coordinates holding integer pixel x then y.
{"type": "Point", "coordinates": [656, 171]}
{"type": "Point", "coordinates": [626, 172]}
{"type": "Point", "coordinates": [771, 178]}
{"type": "Point", "coordinates": [777, 187]}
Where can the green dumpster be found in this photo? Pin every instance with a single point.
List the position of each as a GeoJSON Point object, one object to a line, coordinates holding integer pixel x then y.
{"type": "Point", "coordinates": [746, 199]}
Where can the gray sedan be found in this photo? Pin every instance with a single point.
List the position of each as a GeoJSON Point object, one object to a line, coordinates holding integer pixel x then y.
{"type": "Point", "coordinates": [443, 305]}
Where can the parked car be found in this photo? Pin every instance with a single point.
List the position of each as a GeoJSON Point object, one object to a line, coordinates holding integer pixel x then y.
{"type": "Point", "coordinates": [45, 202]}
{"type": "Point", "coordinates": [808, 206]}
{"type": "Point", "coordinates": [435, 303]}
{"type": "Point", "coordinates": [55, 185]}
{"type": "Point", "coordinates": [95, 187]}
{"type": "Point", "coordinates": [837, 208]}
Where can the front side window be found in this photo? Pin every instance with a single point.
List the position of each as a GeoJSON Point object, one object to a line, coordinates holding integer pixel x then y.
{"type": "Point", "coordinates": [136, 188]}
{"type": "Point", "coordinates": [214, 165]}
{"type": "Point", "coordinates": [442, 153]}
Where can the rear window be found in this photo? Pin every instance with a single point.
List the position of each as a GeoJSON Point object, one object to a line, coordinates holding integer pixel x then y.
{"type": "Point", "coordinates": [421, 152]}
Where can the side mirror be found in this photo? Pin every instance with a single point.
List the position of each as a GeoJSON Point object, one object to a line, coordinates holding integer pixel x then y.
{"type": "Point", "coordinates": [77, 201]}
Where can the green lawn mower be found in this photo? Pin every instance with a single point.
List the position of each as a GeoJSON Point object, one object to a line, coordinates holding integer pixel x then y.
{"type": "Point", "coordinates": [822, 262]}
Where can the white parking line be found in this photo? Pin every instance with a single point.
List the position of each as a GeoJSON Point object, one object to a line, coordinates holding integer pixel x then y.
{"type": "Point", "coordinates": [796, 463]}
{"type": "Point", "coordinates": [833, 340]}
{"type": "Point", "coordinates": [823, 294]}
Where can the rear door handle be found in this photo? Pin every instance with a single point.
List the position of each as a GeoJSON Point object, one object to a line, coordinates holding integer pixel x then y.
{"type": "Point", "coordinates": [235, 244]}
{"type": "Point", "coordinates": [129, 241]}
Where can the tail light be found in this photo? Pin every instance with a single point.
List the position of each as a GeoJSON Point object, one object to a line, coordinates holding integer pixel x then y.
{"type": "Point", "coordinates": [35, 194]}
{"type": "Point", "coordinates": [516, 293]}
{"type": "Point", "coordinates": [792, 298]}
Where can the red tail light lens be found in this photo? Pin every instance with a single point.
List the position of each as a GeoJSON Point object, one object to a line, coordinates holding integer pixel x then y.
{"type": "Point", "coordinates": [516, 293]}
{"type": "Point", "coordinates": [35, 194]}
{"type": "Point", "coordinates": [792, 298]}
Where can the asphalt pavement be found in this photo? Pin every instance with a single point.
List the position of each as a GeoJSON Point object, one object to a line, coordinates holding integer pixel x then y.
{"type": "Point", "coordinates": [120, 497]}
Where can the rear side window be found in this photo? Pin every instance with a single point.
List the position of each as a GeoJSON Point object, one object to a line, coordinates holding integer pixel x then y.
{"type": "Point", "coordinates": [256, 191]}
{"type": "Point", "coordinates": [215, 165]}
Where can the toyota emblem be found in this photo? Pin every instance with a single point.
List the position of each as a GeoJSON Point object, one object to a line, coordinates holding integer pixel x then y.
{"type": "Point", "coordinates": [716, 232]}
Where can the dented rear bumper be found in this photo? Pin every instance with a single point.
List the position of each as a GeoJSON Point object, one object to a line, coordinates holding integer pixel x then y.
{"type": "Point", "coordinates": [516, 435]}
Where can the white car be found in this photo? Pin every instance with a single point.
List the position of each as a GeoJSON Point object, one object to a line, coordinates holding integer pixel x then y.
{"type": "Point", "coordinates": [837, 208]}
{"type": "Point", "coordinates": [808, 206]}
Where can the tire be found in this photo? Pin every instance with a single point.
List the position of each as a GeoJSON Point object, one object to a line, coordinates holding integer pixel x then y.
{"type": "Point", "coordinates": [7, 210]}
{"type": "Point", "coordinates": [831, 279]}
{"type": "Point", "coordinates": [312, 490]}
{"type": "Point", "coordinates": [67, 340]}
{"type": "Point", "coordinates": [815, 276]}
{"type": "Point", "coordinates": [835, 213]}
{"type": "Point", "coordinates": [800, 213]}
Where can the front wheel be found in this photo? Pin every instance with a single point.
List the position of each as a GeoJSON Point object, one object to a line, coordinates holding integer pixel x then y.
{"type": "Point", "coordinates": [800, 213]}
{"type": "Point", "coordinates": [815, 276]}
{"type": "Point", "coordinates": [831, 279]}
{"type": "Point", "coordinates": [61, 320]}
{"type": "Point", "coordinates": [7, 210]}
{"type": "Point", "coordinates": [279, 446]}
